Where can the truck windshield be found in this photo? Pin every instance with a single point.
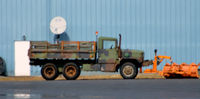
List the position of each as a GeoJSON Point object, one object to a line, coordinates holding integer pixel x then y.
{"type": "Point", "coordinates": [107, 44]}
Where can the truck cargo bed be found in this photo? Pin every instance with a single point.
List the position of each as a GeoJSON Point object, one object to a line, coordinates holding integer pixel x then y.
{"type": "Point", "coordinates": [77, 50]}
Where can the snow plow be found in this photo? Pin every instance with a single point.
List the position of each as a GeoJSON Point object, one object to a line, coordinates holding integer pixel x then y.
{"type": "Point", "coordinates": [173, 70]}
{"type": "Point", "coordinates": [180, 71]}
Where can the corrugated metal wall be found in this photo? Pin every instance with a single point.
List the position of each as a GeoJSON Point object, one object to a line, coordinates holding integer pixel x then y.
{"type": "Point", "coordinates": [171, 26]}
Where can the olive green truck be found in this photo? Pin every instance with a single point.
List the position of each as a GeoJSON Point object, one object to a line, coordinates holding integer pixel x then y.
{"type": "Point", "coordinates": [70, 57]}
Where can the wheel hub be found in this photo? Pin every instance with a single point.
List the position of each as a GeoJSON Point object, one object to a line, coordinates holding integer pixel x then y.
{"type": "Point", "coordinates": [128, 70]}
{"type": "Point", "coordinates": [49, 71]}
{"type": "Point", "coordinates": [70, 71]}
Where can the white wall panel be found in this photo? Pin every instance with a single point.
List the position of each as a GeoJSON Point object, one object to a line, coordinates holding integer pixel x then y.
{"type": "Point", "coordinates": [22, 67]}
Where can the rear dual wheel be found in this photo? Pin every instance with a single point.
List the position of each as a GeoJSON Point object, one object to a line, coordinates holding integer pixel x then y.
{"type": "Point", "coordinates": [71, 71]}
{"type": "Point", "coordinates": [49, 71]}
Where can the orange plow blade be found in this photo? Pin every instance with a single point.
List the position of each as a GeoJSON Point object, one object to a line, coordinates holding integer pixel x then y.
{"type": "Point", "coordinates": [180, 71]}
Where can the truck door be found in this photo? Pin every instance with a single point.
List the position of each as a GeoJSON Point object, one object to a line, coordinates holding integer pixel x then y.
{"type": "Point", "coordinates": [108, 55]}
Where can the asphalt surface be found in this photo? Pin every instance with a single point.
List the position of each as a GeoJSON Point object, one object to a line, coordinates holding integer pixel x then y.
{"type": "Point", "coordinates": [102, 89]}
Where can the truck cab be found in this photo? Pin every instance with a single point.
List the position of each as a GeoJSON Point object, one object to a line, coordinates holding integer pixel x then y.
{"type": "Point", "coordinates": [107, 53]}
{"type": "Point", "coordinates": [110, 52]}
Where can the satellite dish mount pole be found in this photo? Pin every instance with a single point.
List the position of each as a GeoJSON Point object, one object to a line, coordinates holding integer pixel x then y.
{"type": "Point", "coordinates": [57, 38]}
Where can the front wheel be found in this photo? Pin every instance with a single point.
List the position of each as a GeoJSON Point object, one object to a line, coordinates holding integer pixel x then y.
{"type": "Point", "coordinates": [128, 70]}
{"type": "Point", "coordinates": [49, 71]}
{"type": "Point", "coordinates": [71, 71]}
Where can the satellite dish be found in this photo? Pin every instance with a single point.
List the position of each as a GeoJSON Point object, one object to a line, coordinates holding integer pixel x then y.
{"type": "Point", "coordinates": [58, 25]}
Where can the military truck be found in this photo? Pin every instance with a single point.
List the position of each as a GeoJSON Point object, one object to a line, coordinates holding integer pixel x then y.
{"type": "Point", "coordinates": [70, 57]}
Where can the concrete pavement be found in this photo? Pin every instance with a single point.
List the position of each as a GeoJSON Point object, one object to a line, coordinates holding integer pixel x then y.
{"type": "Point", "coordinates": [102, 89]}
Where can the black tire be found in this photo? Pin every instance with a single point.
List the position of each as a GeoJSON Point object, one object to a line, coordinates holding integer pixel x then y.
{"type": "Point", "coordinates": [71, 71]}
{"type": "Point", "coordinates": [2, 67]}
{"type": "Point", "coordinates": [49, 71]}
{"type": "Point", "coordinates": [128, 70]}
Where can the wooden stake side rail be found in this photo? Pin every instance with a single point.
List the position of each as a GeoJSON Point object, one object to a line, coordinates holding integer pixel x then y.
{"type": "Point", "coordinates": [63, 46]}
{"type": "Point", "coordinates": [62, 50]}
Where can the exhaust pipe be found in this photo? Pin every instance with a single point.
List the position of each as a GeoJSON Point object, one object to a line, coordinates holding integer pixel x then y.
{"type": "Point", "coordinates": [119, 47]}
